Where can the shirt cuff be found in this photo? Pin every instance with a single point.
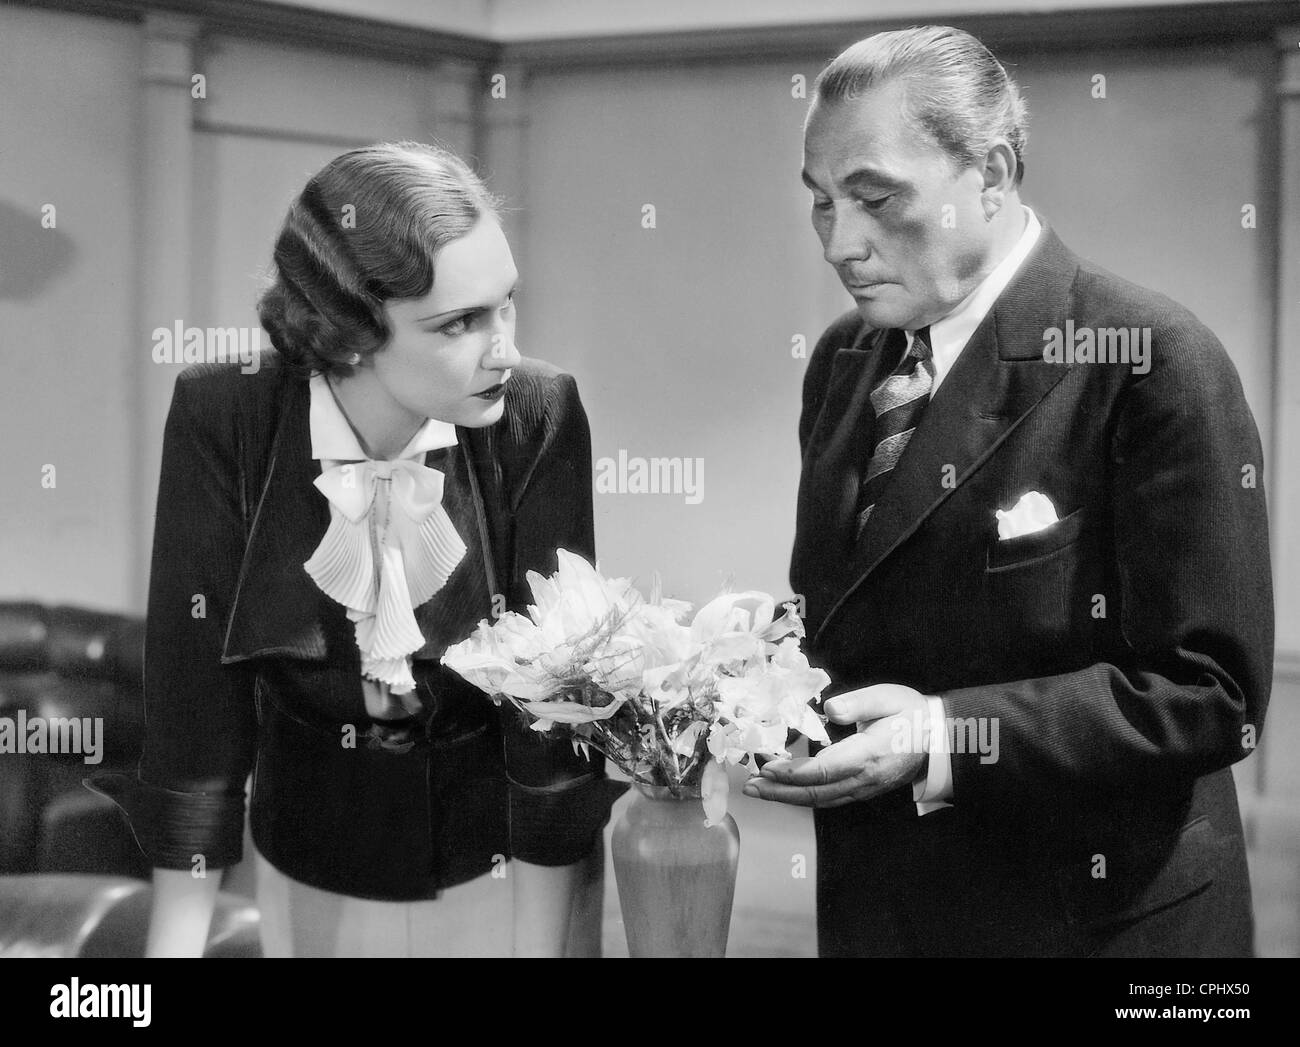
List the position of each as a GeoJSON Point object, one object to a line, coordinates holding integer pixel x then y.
{"type": "Point", "coordinates": [934, 790]}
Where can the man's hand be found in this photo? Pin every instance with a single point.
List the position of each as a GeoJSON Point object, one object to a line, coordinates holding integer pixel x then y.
{"type": "Point", "coordinates": [888, 751]}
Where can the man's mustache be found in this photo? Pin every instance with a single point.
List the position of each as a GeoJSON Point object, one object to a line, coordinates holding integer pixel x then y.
{"type": "Point", "coordinates": [852, 276]}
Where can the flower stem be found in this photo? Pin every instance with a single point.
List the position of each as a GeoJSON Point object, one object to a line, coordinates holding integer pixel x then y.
{"type": "Point", "coordinates": [668, 746]}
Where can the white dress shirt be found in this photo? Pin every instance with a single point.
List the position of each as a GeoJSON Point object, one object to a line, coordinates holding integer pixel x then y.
{"type": "Point", "coordinates": [948, 337]}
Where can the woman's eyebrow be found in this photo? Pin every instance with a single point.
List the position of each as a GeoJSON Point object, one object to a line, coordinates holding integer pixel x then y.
{"type": "Point", "coordinates": [464, 309]}
{"type": "Point", "coordinates": [452, 312]}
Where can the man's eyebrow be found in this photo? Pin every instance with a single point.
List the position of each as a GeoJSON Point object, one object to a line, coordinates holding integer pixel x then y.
{"type": "Point", "coordinates": [872, 176]}
{"type": "Point", "coordinates": [862, 176]}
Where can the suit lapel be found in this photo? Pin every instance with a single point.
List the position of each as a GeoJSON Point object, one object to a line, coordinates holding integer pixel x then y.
{"type": "Point", "coordinates": [999, 377]}
{"type": "Point", "coordinates": [845, 446]}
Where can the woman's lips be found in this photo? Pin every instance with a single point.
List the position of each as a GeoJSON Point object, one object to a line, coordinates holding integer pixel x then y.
{"type": "Point", "coordinates": [494, 392]}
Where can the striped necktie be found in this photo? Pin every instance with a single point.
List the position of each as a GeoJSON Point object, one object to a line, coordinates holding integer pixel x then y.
{"type": "Point", "coordinates": [899, 401]}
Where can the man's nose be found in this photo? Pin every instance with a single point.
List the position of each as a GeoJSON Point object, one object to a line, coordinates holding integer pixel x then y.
{"type": "Point", "coordinates": [846, 239]}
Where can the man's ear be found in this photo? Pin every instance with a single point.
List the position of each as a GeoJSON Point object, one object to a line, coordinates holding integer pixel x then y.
{"type": "Point", "coordinates": [1000, 166]}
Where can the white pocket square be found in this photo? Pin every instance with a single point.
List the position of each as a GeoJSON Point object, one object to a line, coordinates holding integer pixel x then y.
{"type": "Point", "coordinates": [1034, 512]}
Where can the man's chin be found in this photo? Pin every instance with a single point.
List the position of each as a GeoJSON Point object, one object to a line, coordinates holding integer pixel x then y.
{"type": "Point", "coordinates": [877, 314]}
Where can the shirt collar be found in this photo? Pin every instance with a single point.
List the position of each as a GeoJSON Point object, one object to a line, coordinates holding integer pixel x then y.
{"type": "Point", "coordinates": [332, 438]}
{"type": "Point", "coordinates": [949, 336]}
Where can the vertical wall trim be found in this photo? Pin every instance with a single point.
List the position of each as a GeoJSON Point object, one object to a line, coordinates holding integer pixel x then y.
{"type": "Point", "coordinates": [504, 148]}
{"type": "Point", "coordinates": [453, 121]}
{"type": "Point", "coordinates": [1284, 485]}
{"type": "Point", "coordinates": [164, 243]}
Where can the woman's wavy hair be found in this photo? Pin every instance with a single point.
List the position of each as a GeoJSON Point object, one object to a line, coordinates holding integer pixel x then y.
{"type": "Point", "coordinates": [365, 229]}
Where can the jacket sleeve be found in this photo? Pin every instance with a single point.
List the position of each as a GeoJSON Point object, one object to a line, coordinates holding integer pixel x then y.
{"type": "Point", "coordinates": [1195, 601]}
{"type": "Point", "coordinates": [200, 724]}
{"type": "Point", "coordinates": [559, 800]}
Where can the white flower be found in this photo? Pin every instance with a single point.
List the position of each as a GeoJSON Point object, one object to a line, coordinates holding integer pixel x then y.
{"type": "Point", "coordinates": [501, 659]}
{"type": "Point", "coordinates": [576, 599]}
{"type": "Point", "coordinates": [737, 670]}
{"type": "Point", "coordinates": [739, 630]}
{"type": "Point", "coordinates": [658, 630]}
{"type": "Point", "coordinates": [553, 712]}
{"type": "Point", "coordinates": [777, 693]}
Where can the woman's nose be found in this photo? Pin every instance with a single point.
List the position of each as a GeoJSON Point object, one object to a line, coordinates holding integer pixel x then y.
{"type": "Point", "coordinates": [502, 354]}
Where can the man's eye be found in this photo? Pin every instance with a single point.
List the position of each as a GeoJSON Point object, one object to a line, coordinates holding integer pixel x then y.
{"type": "Point", "coordinates": [874, 203]}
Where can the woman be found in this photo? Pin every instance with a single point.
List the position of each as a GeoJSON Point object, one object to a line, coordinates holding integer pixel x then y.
{"type": "Point", "coordinates": [326, 527]}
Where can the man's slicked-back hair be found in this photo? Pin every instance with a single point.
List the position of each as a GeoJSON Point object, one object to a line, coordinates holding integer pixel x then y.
{"type": "Point", "coordinates": [364, 230]}
{"type": "Point", "coordinates": [954, 88]}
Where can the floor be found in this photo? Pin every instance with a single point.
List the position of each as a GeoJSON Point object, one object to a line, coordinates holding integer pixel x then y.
{"type": "Point", "coordinates": [773, 914]}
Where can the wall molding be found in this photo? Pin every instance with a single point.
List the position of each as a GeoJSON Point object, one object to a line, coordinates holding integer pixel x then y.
{"type": "Point", "coordinates": [278, 134]}
{"type": "Point", "coordinates": [1286, 666]}
{"type": "Point", "coordinates": [1063, 29]}
{"type": "Point", "coordinates": [294, 26]}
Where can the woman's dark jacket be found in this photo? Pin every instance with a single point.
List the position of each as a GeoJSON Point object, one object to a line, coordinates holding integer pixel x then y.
{"type": "Point", "coordinates": [249, 667]}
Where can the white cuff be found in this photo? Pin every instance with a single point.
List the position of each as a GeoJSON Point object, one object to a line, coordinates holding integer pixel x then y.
{"type": "Point", "coordinates": [935, 790]}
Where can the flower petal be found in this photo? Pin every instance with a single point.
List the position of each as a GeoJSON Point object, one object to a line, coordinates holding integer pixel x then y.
{"type": "Point", "coordinates": [714, 786]}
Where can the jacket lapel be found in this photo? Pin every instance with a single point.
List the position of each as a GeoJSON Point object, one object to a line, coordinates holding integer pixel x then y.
{"type": "Point", "coordinates": [845, 446]}
{"type": "Point", "coordinates": [277, 608]}
{"type": "Point", "coordinates": [997, 380]}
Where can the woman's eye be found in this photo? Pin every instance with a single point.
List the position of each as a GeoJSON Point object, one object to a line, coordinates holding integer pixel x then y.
{"type": "Point", "coordinates": [508, 308]}
{"type": "Point", "coordinates": [455, 327]}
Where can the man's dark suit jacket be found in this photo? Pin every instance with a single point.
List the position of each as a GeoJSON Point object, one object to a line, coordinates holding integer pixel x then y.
{"type": "Point", "coordinates": [1109, 822]}
{"type": "Point", "coordinates": [263, 673]}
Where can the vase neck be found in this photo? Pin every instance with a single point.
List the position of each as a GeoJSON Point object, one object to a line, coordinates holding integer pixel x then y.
{"type": "Point", "coordinates": [663, 792]}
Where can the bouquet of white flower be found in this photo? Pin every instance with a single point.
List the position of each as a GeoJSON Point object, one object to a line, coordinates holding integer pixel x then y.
{"type": "Point", "coordinates": [671, 704]}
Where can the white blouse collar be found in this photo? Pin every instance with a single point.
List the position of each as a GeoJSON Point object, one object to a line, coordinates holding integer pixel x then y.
{"type": "Point", "coordinates": [332, 438]}
{"type": "Point", "coordinates": [389, 547]}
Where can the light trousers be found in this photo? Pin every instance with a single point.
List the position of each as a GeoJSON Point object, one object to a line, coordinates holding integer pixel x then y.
{"type": "Point", "coordinates": [473, 919]}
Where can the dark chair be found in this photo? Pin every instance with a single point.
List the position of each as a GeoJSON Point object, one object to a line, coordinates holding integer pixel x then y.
{"type": "Point", "coordinates": [64, 669]}
{"type": "Point", "coordinates": [64, 916]}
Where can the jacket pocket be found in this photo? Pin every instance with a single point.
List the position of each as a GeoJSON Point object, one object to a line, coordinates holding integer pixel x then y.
{"type": "Point", "coordinates": [1011, 553]}
{"type": "Point", "coordinates": [1139, 884]}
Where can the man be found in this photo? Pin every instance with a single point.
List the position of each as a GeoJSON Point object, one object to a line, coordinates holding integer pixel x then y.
{"type": "Point", "coordinates": [1033, 545]}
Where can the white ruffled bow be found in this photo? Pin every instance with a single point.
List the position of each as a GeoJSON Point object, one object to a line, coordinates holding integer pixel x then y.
{"type": "Point", "coordinates": [389, 547]}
